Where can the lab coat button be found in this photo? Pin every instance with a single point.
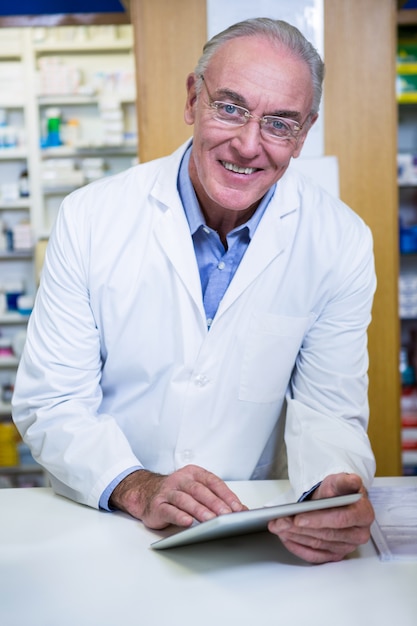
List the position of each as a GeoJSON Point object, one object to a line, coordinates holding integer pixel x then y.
{"type": "Point", "coordinates": [187, 455]}
{"type": "Point", "coordinates": [201, 380]}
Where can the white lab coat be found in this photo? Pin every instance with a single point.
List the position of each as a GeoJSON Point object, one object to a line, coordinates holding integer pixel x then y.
{"type": "Point", "coordinates": [119, 366]}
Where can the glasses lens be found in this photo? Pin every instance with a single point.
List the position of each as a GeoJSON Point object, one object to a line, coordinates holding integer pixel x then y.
{"type": "Point", "coordinates": [272, 126]}
{"type": "Point", "coordinates": [230, 113]}
{"type": "Point", "coordinates": [279, 127]}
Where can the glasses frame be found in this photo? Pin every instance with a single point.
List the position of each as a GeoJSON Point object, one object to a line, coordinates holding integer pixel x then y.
{"type": "Point", "coordinates": [294, 133]}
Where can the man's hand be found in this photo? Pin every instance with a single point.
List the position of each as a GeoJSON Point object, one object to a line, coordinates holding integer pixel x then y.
{"type": "Point", "coordinates": [331, 534]}
{"type": "Point", "coordinates": [191, 493]}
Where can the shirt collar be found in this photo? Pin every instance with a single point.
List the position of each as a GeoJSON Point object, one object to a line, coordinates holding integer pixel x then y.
{"type": "Point", "coordinates": [191, 205]}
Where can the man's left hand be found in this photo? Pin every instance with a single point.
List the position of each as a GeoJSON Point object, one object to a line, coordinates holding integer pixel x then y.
{"type": "Point", "coordinates": [330, 534]}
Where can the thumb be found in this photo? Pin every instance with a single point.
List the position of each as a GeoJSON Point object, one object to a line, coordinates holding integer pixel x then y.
{"type": "Point", "coordinates": [338, 485]}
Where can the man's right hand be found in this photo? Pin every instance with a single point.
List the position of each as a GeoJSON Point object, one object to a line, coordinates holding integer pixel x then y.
{"type": "Point", "coordinates": [191, 493]}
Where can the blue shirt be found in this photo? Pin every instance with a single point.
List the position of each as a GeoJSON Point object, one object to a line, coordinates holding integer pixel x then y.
{"type": "Point", "coordinates": [216, 265]}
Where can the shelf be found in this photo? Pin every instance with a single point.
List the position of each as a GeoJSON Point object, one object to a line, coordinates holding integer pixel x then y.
{"type": "Point", "coordinates": [80, 99]}
{"type": "Point", "coordinates": [407, 106]}
{"type": "Point", "coordinates": [71, 47]}
{"type": "Point", "coordinates": [407, 17]}
{"type": "Point", "coordinates": [8, 362]}
{"type": "Point", "coordinates": [92, 150]}
{"type": "Point", "coordinates": [23, 476]}
{"type": "Point", "coordinates": [13, 154]}
{"type": "Point", "coordinates": [60, 190]}
{"type": "Point", "coordinates": [5, 410]}
{"type": "Point", "coordinates": [16, 205]}
{"type": "Point", "coordinates": [66, 99]}
{"type": "Point", "coordinates": [12, 51]}
{"type": "Point", "coordinates": [11, 103]}
{"type": "Point", "coordinates": [408, 254]}
{"type": "Point", "coordinates": [13, 319]}
{"type": "Point", "coordinates": [407, 68]}
{"type": "Point", "coordinates": [16, 255]}
{"type": "Point", "coordinates": [12, 470]}
{"type": "Point", "coordinates": [407, 98]}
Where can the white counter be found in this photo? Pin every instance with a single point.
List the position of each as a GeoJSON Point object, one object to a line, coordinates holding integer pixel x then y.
{"type": "Point", "coordinates": [62, 564]}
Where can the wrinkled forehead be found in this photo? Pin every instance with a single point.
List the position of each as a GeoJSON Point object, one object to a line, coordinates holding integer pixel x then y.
{"type": "Point", "coordinates": [257, 65]}
{"type": "Point", "coordinates": [257, 49]}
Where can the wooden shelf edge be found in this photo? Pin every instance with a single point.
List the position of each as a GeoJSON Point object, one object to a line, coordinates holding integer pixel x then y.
{"type": "Point", "coordinates": [406, 16]}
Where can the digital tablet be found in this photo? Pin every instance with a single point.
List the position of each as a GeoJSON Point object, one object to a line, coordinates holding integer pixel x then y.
{"type": "Point", "coordinates": [244, 522]}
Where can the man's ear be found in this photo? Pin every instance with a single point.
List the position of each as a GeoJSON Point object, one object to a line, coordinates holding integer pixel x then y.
{"type": "Point", "coordinates": [189, 112]}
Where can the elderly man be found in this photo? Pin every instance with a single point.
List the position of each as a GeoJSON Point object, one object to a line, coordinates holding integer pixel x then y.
{"type": "Point", "coordinates": [203, 317]}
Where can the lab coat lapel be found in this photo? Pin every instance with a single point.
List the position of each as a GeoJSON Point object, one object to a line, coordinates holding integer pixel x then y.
{"type": "Point", "coordinates": [172, 230]}
{"type": "Point", "coordinates": [273, 234]}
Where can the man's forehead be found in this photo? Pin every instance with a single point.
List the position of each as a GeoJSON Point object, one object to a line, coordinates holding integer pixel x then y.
{"type": "Point", "coordinates": [240, 48]}
{"type": "Point", "coordinates": [263, 55]}
{"type": "Point", "coordinates": [267, 65]}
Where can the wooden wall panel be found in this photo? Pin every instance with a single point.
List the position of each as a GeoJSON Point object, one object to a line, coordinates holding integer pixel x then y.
{"type": "Point", "coordinates": [169, 37]}
{"type": "Point", "coordinates": [360, 128]}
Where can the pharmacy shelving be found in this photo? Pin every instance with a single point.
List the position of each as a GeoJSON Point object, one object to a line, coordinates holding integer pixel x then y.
{"type": "Point", "coordinates": [86, 74]}
{"type": "Point", "coordinates": [407, 189]}
{"type": "Point", "coordinates": [82, 71]}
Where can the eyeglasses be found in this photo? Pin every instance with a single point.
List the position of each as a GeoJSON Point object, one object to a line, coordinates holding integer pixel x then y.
{"type": "Point", "coordinates": [272, 126]}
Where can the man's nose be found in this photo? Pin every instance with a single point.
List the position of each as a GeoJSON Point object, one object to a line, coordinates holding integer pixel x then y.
{"type": "Point", "coordinates": [247, 139]}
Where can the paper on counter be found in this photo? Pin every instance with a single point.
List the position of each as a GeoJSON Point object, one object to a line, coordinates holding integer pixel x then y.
{"type": "Point", "coordinates": [394, 530]}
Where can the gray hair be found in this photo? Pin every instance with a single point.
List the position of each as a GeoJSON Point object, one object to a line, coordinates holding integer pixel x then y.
{"type": "Point", "coordinates": [278, 32]}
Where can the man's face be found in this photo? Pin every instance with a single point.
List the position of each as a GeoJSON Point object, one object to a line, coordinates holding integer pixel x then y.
{"type": "Point", "coordinates": [266, 80]}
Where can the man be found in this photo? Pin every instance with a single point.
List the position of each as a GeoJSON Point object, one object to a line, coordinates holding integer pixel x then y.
{"type": "Point", "coordinates": [195, 308]}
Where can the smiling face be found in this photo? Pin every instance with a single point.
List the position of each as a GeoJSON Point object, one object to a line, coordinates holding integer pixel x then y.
{"type": "Point", "coordinates": [231, 167]}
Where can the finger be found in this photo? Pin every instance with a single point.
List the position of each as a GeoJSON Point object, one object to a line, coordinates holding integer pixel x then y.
{"type": "Point", "coordinates": [339, 485]}
{"type": "Point", "coordinates": [321, 548]}
{"type": "Point", "coordinates": [218, 493]}
{"type": "Point", "coordinates": [182, 509]}
{"type": "Point", "coordinates": [199, 503]}
{"type": "Point", "coordinates": [311, 522]}
{"type": "Point", "coordinates": [354, 536]}
{"type": "Point", "coordinates": [348, 483]}
{"type": "Point", "coordinates": [164, 514]}
{"type": "Point", "coordinates": [207, 489]}
{"type": "Point", "coordinates": [202, 503]}
{"type": "Point", "coordinates": [173, 506]}
{"type": "Point", "coordinates": [190, 494]}
{"type": "Point", "coordinates": [358, 514]}
{"type": "Point", "coordinates": [312, 555]}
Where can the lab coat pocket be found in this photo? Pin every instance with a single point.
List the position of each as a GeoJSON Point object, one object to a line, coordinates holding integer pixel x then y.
{"type": "Point", "coordinates": [269, 356]}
